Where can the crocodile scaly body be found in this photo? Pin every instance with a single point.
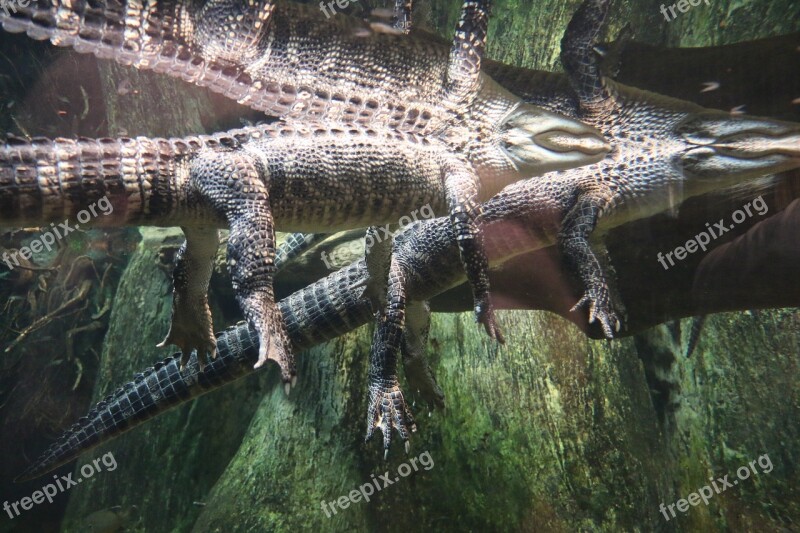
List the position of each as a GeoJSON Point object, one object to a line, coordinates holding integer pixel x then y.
{"type": "Point", "coordinates": [658, 145]}
{"type": "Point", "coordinates": [372, 127]}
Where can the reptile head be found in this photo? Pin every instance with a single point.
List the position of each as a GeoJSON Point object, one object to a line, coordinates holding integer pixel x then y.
{"type": "Point", "coordinates": [538, 141]}
{"type": "Point", "coordinates": [725, 147]}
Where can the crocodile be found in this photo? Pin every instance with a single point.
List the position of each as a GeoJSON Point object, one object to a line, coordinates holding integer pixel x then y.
{"type": "Point", "coordinates": [304, 171]}
{"type": "Point", "coordinates": [515, 223]}
{"type": "Point", "coordinates": [659, 144]}
{"type": "Point", "coordinates": [663, 151]}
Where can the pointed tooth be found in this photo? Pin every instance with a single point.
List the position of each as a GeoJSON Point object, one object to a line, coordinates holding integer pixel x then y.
{"type": "Point", "coordinates": [287, 388]}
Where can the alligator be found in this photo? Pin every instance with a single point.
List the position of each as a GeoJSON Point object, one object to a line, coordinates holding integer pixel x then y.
{"type": "Point", "coordinates": [322, 311]}
{"type": "Point", "coordinates": [663, 151]}
{"type": "Point", "coordinates": [306, 170]}
{"type": "Point", "coordinates": [659, 145]}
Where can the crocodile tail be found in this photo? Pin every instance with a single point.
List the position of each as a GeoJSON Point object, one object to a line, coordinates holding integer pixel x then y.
{"type": "Point", "coordinates": [49, 180]}
{"type": "Point", "coordinates": [320, 312]}
{"type": "Point", "coordinates": [154, 36]}
{"type": "Point", "coordinates": [152, 392]}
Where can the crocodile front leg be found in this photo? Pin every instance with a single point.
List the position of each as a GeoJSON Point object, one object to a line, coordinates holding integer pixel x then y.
{"type": "Point", "coordinates": [233, 183]}
{"type": "Point", "coordinates": [462, 186]}
{"type": "Point", "coordinates": [573, 241]}
{"type": "Point", "coordinates": [191, 327]}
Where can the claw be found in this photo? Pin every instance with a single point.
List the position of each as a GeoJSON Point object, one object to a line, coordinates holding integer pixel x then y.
{"type": "Point", "coordinates": [484, 314]}
{"type": "Point", "coordinates": [601, 310]}
{"type": "Point", "coordinates": [388, 410]}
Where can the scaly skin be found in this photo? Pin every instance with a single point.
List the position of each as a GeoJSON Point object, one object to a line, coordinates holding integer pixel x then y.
{"type": "Point", "coordinates": [655, 140]}
{"type": "Point", "coordinates": [663, 151]}
{"type": "Point", "coordinates": [521, 218]}
{"type": "Point", "coordinates": [459, 139]}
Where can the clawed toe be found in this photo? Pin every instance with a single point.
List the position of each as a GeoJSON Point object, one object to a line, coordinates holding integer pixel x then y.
{"type": "Point", "coordinates": [600, 310]}
{"type": "Point", "coordinates": [387, 411]}
{"type": "Point", "coordinates": [274, 344]}
{"type": "Point", "coordinates": [484, 314]}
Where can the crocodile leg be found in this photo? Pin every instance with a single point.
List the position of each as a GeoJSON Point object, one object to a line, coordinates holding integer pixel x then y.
{"type": "Point", "coordinates": [583, 66]}
{"type": "Point", "coordinates": [415, 339]}
{"type": "Point", "coordinates": [462, 184]}
{"type": "Point", "coordinates": [191, 326]}
{"type": "Point", "coordinates": [378, 255]}
{"type": "Point", "coordinates": [578, 54]}
{"type": "Point", "coordinates": [462, 197]}
{"type": "Point", "coordinates": [386, 406]}
{"type": "Point", "coordinates": [464, 66]}
{"type": "Point", "coordinates": [231, 182]}
{"type": "Point", "coordinates": [573, 240]}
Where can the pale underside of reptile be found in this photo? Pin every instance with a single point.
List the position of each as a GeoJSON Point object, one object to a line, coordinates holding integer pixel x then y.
{"type": "Point", "coordinates": [372, 126]}
{"type": "Point", "coordinates": [659, 145]}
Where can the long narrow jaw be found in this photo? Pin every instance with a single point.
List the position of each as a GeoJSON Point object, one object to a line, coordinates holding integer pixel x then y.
{"type": "Point", "coordinates": [724, 147]}
{"type": "Point", "coordinates": [537, 141]}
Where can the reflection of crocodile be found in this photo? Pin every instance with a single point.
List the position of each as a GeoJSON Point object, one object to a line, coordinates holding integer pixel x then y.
{"type": "Point", "coordinates": [374, 126]}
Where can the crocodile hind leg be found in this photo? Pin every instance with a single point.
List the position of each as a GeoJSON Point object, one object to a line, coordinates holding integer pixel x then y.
{"type": "Point", "coordinates": [233, 184]}
{"type": "Point", "coordinates": [387, 408]}
{"type": "Point", "coordinates": [584, 70]}
{"type": "Point", "coordinates": [191, 327]}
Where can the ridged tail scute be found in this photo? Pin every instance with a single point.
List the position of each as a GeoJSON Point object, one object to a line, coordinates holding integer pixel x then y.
{"type": "Point", "coordinates": [152, 392]}
{"type": "Point", "coordinates": [320, 312]}
{"type": "Point", "coordinates": [49, 180]}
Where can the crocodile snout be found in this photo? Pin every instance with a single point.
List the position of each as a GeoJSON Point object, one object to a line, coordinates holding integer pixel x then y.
{"type": "Point", "coordinates": [539, 141]}
{"type": "Point", "coordinates": [723, 146]}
